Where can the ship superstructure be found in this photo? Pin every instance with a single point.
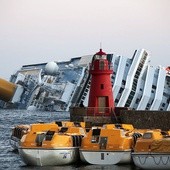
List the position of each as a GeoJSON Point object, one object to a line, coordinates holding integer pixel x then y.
{"type": "Point", "coordinates": [59, 85]}
{"type": "Point", "coordinates": [47, 86]}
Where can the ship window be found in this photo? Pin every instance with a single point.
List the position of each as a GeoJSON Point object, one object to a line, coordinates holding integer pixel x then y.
{"type": "Point", "coordinates": [147, 136]}
{"type": "Point", "coordinates": [137, 101]}
{"type": "Point", "coordinates": [153, 86]}
{"type": "Point", "coordinates": [123, 82]}
{"type": "Point", "coordinates": [163, 104]}
{"type": "Point", "coordinates": [121, 89]}
{"type": "Point", "coordinates": [116, 101]}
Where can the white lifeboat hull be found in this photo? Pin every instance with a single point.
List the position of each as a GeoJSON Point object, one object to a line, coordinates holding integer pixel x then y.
{"type": "Point", "coordinates": [45, 157]}
{"type": "Point", "coordinates": [105, 157]}
{"type": "Point", "coordinates": [152, 160]}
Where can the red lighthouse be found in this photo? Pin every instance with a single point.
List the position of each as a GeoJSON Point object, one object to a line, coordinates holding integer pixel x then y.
{"type": "Point", "coordinates": [101, 95]}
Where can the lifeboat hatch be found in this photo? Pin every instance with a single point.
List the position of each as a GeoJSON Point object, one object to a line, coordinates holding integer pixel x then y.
{"type": "Point", "coordinates": [63, 129]}
{"type": "Point", "coordinates": [49, 135]}
{"type": "Point", "coordinates": [103, 142]}
{"type": "Point", "coordinates": [147, 135]}
{"type": "Point", "coordinates": [102, 156]}
{"type": "Point", "coordinates": [39, 139]}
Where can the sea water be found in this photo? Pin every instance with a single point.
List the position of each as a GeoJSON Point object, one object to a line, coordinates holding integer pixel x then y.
{"type": "Point", "coordinates": [10, 159]}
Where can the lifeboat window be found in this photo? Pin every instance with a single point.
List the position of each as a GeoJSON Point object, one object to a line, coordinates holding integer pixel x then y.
{"type": "Point", "coordinates": [59, 123]}
{"type": "Point", "coordinates": [63, 129]}
{"type": "Point", "coordinates": [96, 132]}
{"type": "Point", "coordinates": [49, 135]}
{"type": "Point", "coordinates": [77, 124]}
{"type": "Point", "coordinates": [95, 139]}
{"type": "Point", "coordinates": [147, 136]}
{"type": "Point", "coordinates": [95, 135]}
{"type": "Point", "coordinates": [101, 65]}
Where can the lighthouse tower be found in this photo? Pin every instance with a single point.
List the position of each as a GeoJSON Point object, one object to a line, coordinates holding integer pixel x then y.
{"type": "Point", "coordinates": [101, 95]}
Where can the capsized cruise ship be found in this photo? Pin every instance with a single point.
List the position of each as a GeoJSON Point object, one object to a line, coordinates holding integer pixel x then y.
{"type": "Point", "coordinates": [55, 86]}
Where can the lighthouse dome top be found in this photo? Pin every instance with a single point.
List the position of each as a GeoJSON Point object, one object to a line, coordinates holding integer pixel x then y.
{"type": "Point", "coordinates": [100, 55]}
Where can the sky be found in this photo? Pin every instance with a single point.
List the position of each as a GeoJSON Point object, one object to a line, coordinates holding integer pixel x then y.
{"type": "Point", "coordinates": [38, 31]}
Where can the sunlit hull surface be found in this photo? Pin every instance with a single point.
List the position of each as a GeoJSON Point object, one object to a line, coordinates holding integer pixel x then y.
{"type": "Point", "coordinates": [105, 157]}
{"type": "Point", "coordinates": [44, 157]}
{"type": "Point", "coordinates": [152, 160]}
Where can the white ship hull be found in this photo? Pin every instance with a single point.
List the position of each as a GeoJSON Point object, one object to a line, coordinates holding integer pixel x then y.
{"type": "Point", "coordinates": [105, 157]}
{"type": "Point", "coordinates": [45, 157]}
{"type": "Point", "coordinates": [152, 161]}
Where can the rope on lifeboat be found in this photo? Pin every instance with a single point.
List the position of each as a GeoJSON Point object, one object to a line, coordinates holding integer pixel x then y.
{"type": "Point", "coordinates": [76, 140]}
{"type": "Point", "coordinates": [156, 162]}
{"type": "Point", "coordinates": [136, 136]}
{"type": "Point", "coordinates": [140, 160]}
{"type": "Point", "coordinates": [18, 132]}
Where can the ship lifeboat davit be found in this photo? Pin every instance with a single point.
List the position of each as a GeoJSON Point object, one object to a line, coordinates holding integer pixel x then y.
{"type": "Point", "coordinates": [152, 151]}
{"type": "Point", "coordinates": [55, 146]}
{"type": "Point", "coordinates": [105, 146]}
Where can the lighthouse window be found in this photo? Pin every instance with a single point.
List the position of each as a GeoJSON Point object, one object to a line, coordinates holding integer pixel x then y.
{"type": "Point", "coordinates": [101, 65]}
{"type": "Point", "coordinates": [102, 86]}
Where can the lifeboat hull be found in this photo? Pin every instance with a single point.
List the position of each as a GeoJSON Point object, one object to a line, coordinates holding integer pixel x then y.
{"type": "Point", "coordinates": [152, 160]}
{"type": "Point", "coordinates": [105, 157]}
{"type": "Point", "coordinates": [45, 157]}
